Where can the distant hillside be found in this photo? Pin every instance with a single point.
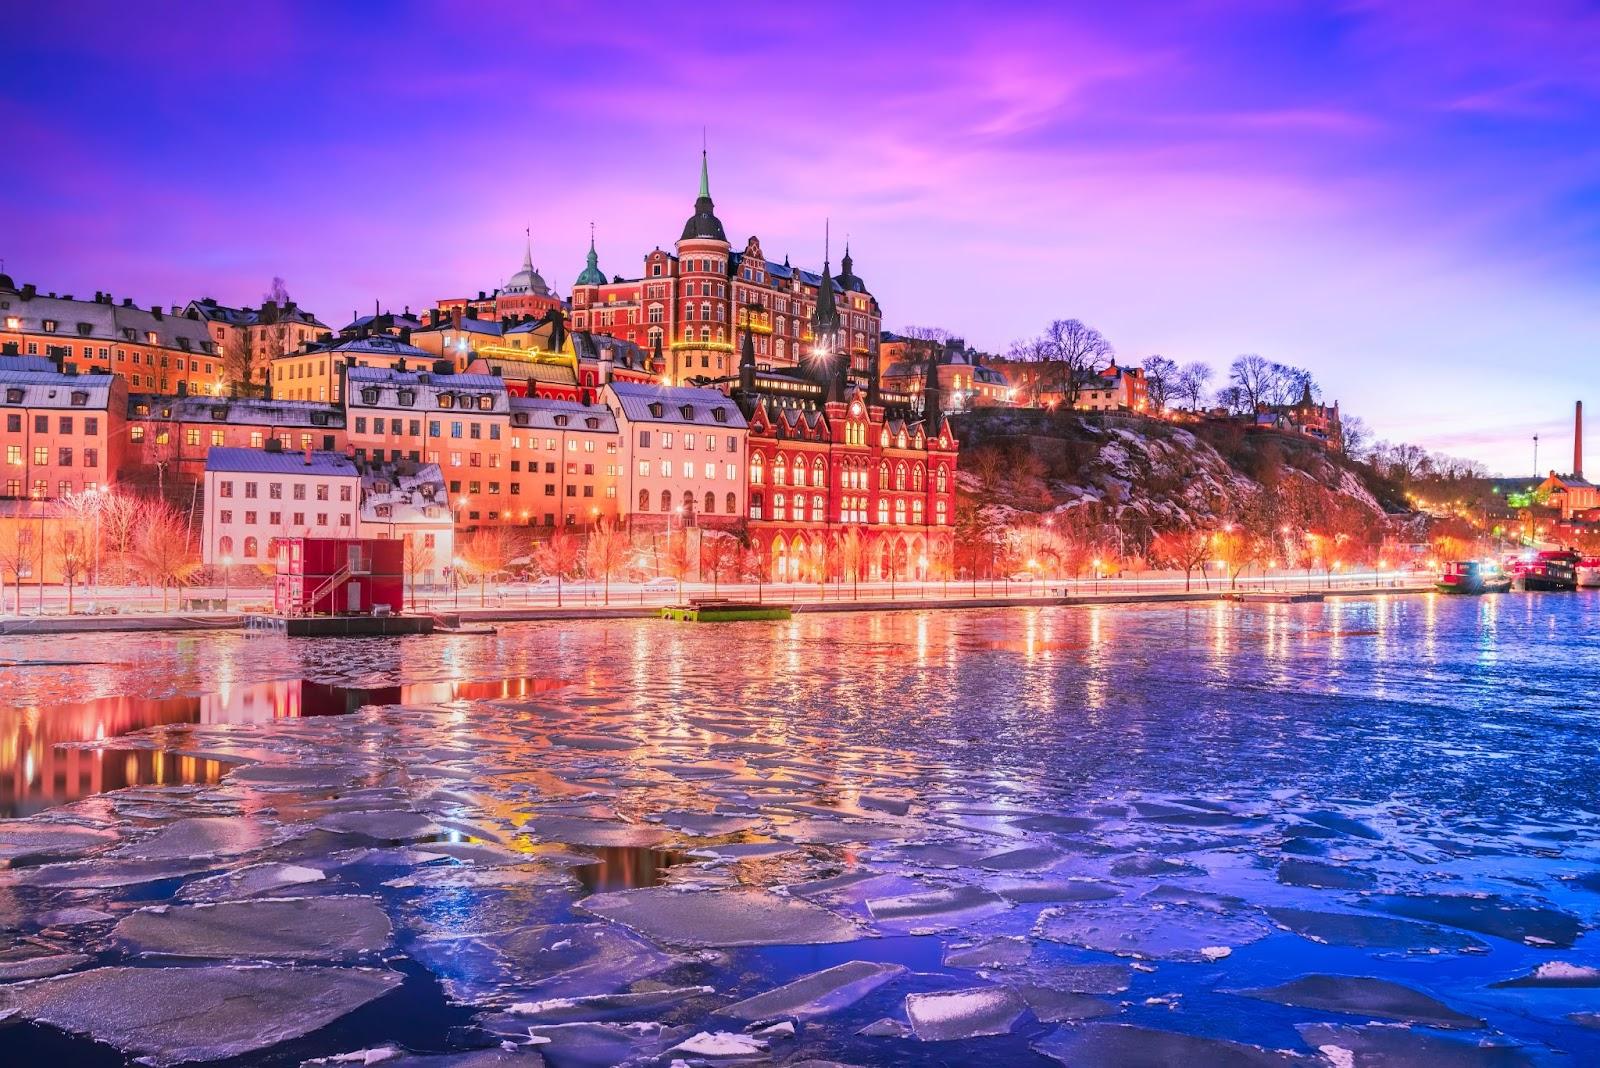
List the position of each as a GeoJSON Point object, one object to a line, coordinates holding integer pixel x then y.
{"type": "Point", "coordinates": [1147, 477]}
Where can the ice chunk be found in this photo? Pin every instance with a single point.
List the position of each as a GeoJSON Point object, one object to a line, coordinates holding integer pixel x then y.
{"type": "Point", "coordinates": [1173, 932]}
{"type": "Point", "coordinates": [1556, 973]}
{"type": "Point", "coordinates": [105, 872]}
{"type": "Point", "coordinates": [250, 881]}
{"type": "Point", "coordinates": [953, 1014]}
{"type": "Point", "coordinates": [886, 1028]}
{"type": "Point", "coordinates": [999, 952]}
{"type": "Point", "coordinates": [393, 1057]}
{"type": "Point", "coordinates": [1486, 914]}
{"type": "Point", "coordinates": [306, 928]}
{"type": "Point", "coordinates": [1375, 932]}
{"type": "Point", "coordinates": [1395, 1046]}
{"type": "Point", "coordinates": [40, 967]}
{"type": "Point", "coordinates": [1342, 824]}
{"type": "Point", "coordinates": [720, 917]}
{"type": "Point", "coordinates": [581, 831]}
{"type": "Point", "coordinates": [173, 1015]}
{"type": "Point", "coordinates": [383, 825]}
{"type": "Point", "coordinates": [562, 960]}
{"type": "Point", "coordinates": [200, 836]}
{"type": "Point", "coordinates": [1126, 1044]}
{"type": "Point", "coordinates": [953, 907]}
{"type": "Point", "coordinates": [606, 1006]}
{"type": "Point", "coordinates": [1050, 824]}
{"type": "Point", "coordinates": [1324, 876]}
{"type": "Point", "coordinates": [1359, 995]}
{"type": "Point", "coordinates": [720, 1045]}
{"type": "Point", "coordinates": [707, 824]}
{"type": "Point", "coordinates": [1085, 978]}
{"type": "Point", "coordinates": [1055, 890]}
{"type": "Point", "coordinates": [34, 840]}
{"type": "Point", "coordinates": [817, 994]}
{"type": "Point", "coordinates": [602, 1045]}
{"type": "Point", "coordinates": [1027, 858]}
{"type": "Point", "coordinates": [1142, 865]}
{"type": "Point", "coordinates": [1050, 1005]}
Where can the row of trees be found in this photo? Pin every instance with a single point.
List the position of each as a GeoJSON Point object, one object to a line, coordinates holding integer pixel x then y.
{"type": "Point", "coordinates": [103, 536]}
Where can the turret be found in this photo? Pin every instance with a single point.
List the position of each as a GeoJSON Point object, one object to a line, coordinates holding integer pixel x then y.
{"type": "Point", "coordinates": [747, 364]}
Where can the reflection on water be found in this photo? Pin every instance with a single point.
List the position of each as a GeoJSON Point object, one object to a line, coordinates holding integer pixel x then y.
{"type": "Point", "coordinates": [36, 772]}
{"type": "Point", "coordinates": [625, 867]}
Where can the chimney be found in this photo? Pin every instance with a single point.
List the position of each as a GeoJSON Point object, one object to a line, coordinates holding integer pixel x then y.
{"type": "Point", "coordinates": [1577, 442]}
{"type": "Point", "coordinates": [308, 455]}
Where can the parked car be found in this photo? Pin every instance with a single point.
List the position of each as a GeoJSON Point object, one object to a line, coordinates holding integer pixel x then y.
{"type": "Point", "coordinates": [1023, 576]}
{"type": "Point", "coordinates": [662, 584]}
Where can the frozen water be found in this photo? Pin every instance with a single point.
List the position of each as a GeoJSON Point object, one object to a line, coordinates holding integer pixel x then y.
{"type": "Point", "coordinates": [720, 917]}
{"type": "Point", "coordinates": [602, 1045]}
{"type": "Point", "coordinates": [41, 967]}
{"type": "Point", "coordinates": [1359, 995]}
{"type": "Point", "coordinates": [22, 840]}
{"type": "Point", "coordinates": [1380, 932]}
{"type": "Point", "coordinates": [173, 1015]}
{"type": "Point", "coordinates": [953, 1014]}
{"type": "Point", "coordinates": [251, 881]}
{"type": "Point", "coordinates": [1324, 876]}
{"type": "Point", "coordinates": [205, 836]}
{"type": "Point", "coordinates": [607, 1006]}
{"type": "Point", "coordinates": [817, 994]}
{"type": "Point", "coordinates": [1487, 914]}
{"type": "Point", "coordinates": [394, 825]}
{"type": "Point", "coordinates": [306, 929]}
{"type": "Point", "coordinates": [953, 907]}
{"type": "Point", "coordinates": [1051, 1005]}
{"type": "Point", "coordinates": [1127, 1045]}
{"type": "Point", "coordinates": [1557, 974]}
{"type": "Point", "coordinates": [1394, 1046]}
{"type": "Point", "coordinates": [1174, 932]}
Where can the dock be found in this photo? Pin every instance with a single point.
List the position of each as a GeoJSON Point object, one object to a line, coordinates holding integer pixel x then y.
{"type": "Point", "coordinates": [718, 610]}
{"type": "Point", "coordinates": [339, 626]}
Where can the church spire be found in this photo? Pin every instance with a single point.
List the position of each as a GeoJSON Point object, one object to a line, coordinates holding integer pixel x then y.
{"type": "Point", "coordinates": [527, 248]}
{"type": "Point", "coordinates": [704, 224]}
{"type": "Point", "coordinates": [705, 175]}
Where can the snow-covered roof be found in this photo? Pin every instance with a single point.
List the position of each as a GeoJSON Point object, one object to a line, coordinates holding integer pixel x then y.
{"type": "Point", "coordinates": [222, 458]}
{"type": "Point", "coordinates": [411, 496]}
{"type": "Point", "coordinates": [643, 402]}
{"type": "Point", "coordinates": [100, 320]}
{"type": "Point", "coordinates": [52, 389]}
{"type": "Point", "coordinates": [239, 411]}
{"type": "Point", "coordinates": [550, 414]}
{"type": "Point", "coordinates": [381, 387]}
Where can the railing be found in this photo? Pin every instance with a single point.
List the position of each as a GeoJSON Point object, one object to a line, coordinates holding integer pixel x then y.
{"type": "Point", "coordinates": [329, 584]}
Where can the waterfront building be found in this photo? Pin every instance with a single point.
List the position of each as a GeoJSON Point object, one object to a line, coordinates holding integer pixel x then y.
{"type": "Point", "coordinates": [59, 433]}
{"type": "Point", "coordinates": [316, 373]}
{"type": "Point", "coordinates": [409, 503]}
{"type": "Point", "coordinates": [696, 302]}
{"type": "Point", "coordinates": [683, 451]}
{"type": "Point", "coordinates": [151, 349]}
{"type": "Point", "coordinates": [254, 337]}
{"type": "Point", "coordinates": [565, 461]}
{"type": "Point", "coordinates": [254, 496]}
{"type": "Point", "coordinates": [169, 437]}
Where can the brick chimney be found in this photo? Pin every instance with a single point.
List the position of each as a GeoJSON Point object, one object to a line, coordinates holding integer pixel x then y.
{"type": "Point", "coordinates": [1577, 442]}
{"type": "Point", "coordinates": [308, 455]}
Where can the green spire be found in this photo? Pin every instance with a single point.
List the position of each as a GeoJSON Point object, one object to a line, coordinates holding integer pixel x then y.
{"type": "Point", "coordinates": [705, 177]}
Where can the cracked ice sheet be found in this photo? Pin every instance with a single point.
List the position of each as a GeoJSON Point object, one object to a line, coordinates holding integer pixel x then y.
{"type": "Point", "coordinates": [175, 1015]}
{"type": "Point", "coordinates": [304, 929]}
{"type": "Point", "coordinates": [718, 918]}
{"type": "Point", "coordinates": [955, 1014]}
{"type": "Point", "coordinates": [1126, 1044]}
{"type": "Point", "coordinates": [1172, 932]}
{"type": "Point", "coordinates": [560, 960]}
{"type": "Point", "coordinates": [817, 994]}
{"type": "Point", "coordinates": [1395, 1046]}
{"type": "Point", "coordinates": [936, 909]}
{"type": "Point", "coordinates": [1363, 996]}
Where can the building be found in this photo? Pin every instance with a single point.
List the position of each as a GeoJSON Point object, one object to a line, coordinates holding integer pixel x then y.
{"type": "Point", "coordinates": [325, 576]}
{"type": "Point", "coordinates": [966, 381]}
{"type": "Point", "coordinates": [254, 337]}
{"type": "Point", "coordinates": [457, 337]}
{"type": "Point", "coordinates": [408, 503]}
{"type": "Point", "coordinates": [683, 451]}
{"type": "Point", "coordinates": [316, 373]}
{"type": "Point", "coordinates": [392, 324]}
{"type": "Point", "coordinates": [60, 433]}
{"type": "Point", "coordinates": [169, 438]}
{"type": "Point", "coordinates": [1116, 389]}
{"type": "Point", "coordinates": [1305, 417]}
{"type": "Point", "coordinates": [696, 302]}
{"type": "Point", "coordinates": [525, 293]}
{"type": "Point", "coordinates": [843, 486]}
{"type": "Point", "coordinates": [152, 350]}
{"type": "Point", "coordinates": [542, 358]}
{"type": "Point", "coordinates": [565, 460]}
{"type": "Point", "coordinates": [255, 496]}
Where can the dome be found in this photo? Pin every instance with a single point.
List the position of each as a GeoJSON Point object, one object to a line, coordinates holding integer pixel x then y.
{"type": "Point", "coordinates": [591, 275]}
{"type": "Point", "coordinates": [527, 280]}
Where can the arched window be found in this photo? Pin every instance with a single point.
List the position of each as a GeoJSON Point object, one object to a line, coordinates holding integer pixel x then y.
{"type": "Point", "coordinates": [916, 478]}
{"type": "Point", "coordinates": [817, 514]}
{"type": "Point", "coordinates": [705, 333]}
{"type": "Point", "coordinates": [939, 513]}
{"type": "Point", "coordinates": [883, 509]}
{"type": "Point", "coordinates": [666, 500]}
{"type": "Point", "coordinates": [916, 510]}
{"type": "Point", "coordinates": [758, 469]}
{"type": "Point", "coordinates": [644, 500]}
{"type": "Point", "coordinates": [900, 476]}
{"type": "Point", "coordinates": [883, 474]}
{"type": "Point", "coordinates": [711, 503]}
{"type": "Point", "coordinates": [819, 473]}
{"type": "Point", "coordinates": [780, 471]}
{"type": "Point", "coordinates": [705, 312]}
{"type": "Point", "coordinates": [249, 548]}
{"type": "Point", "coordinates": [688, 311]}
{"type": "Point", "coordinates": [225, 546]}
{"type": "Point", "coordinates": [939, 480]}
{"type": "Point", "coordinates": [755, 505]}
{"type": "Point", "coordinates": [899, 509]}
{"type": "Point", "coordinates": [733, 504]}
{"type": "Point", "coordinates": [688, 333]}
{"type": "Point", "coordinates": [779, 507]}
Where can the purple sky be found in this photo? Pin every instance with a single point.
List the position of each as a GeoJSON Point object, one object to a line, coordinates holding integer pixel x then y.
{"type": "Point", "coordinates": [1402, 195]}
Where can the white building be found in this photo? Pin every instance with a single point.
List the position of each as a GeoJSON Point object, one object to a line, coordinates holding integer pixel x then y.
{"type": "Point", "coordinates": [410, 503]}
{"type": "Point", "coordinates": [253, 496]}
{"type": "Point", "coordinates": [683, 451]}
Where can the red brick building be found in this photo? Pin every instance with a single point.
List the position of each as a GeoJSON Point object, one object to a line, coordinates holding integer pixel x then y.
{"type": "Point", "coordinates": [699, 300]}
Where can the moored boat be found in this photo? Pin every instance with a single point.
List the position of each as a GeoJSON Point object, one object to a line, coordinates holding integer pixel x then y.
{"type": "Point", "coordinates": [1589, 573]}
{"type": "Point", "coordinates": [1472, 577]}
{"type": "Point", "coordinates": [1551, 572]}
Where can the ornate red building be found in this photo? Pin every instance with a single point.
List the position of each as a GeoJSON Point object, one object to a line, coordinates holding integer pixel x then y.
{"type": "Point", "coordinates": [699, 300]}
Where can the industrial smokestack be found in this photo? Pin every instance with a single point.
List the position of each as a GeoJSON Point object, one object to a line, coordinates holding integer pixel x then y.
{"type": "Point", "coordinates": [1577, 442]}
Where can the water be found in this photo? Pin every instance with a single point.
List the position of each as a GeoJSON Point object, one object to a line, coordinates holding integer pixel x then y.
{"type": "Point", "coordinates": [1198, 778]}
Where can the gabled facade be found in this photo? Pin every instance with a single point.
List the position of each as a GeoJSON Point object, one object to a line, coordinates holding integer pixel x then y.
{"type": "Point", "coordinates": [59, 433]}
{"type": "Point", "coordinates": [685, 455]}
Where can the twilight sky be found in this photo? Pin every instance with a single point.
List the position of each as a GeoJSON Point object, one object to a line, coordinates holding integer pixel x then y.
{"type": "Point", "coordinates": [1401, 195]}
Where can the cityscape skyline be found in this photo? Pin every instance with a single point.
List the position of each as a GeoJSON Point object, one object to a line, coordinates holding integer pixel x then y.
{"type": "Point", "coordinates": [1196, 186]}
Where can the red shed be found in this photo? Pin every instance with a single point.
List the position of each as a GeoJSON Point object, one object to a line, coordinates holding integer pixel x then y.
{"type": "Point", "coordinates": [339, 576]}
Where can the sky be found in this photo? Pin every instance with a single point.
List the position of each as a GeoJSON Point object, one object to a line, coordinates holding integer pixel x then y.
{"type": "Point", "coordinates": [1402, 196]}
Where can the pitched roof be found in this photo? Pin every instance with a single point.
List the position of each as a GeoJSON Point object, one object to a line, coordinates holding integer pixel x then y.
{"type": "Point", "coordinates": [681, 405]}
{"type": "Point", "coordinates": [53, 389]}
{"type": "Point", "coordinates": [101, 320]}
{"type": "Point", "coordinates": [545, 413]}
{"type": "Point", "coordinates": [237, 411]}
{"type": "Point", "coordinates": [259, 461]}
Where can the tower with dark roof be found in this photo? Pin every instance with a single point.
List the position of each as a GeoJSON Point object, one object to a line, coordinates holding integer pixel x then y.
{"type": "Point", "coordinates": [591, 274]}
{"type": "Point", "coordinates": [704, 224]}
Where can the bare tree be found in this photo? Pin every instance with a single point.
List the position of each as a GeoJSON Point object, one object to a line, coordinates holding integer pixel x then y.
{"type": "Point", "coordinates": [69, 544]}
{"type": "Point", "coordinates": [926, 333]}
{"type": "Point", "coordinates": [1256, 378]}
{"type": "Point", "coordinates": [1182, 550]}
{"type": "Point", "coordinates": [720, 554]}
{"type": "Point", "coordinates": [1355, 436]}
{"type": "Point", "coordinates": [1193, 382]}
{"type": "Point", "coordinates": [417, 560]}
{"type": "Point", "coordinates": [1078, 349]}
{"type": "Point", "coordinates": [488, 551]}
{"type": "Point", "coordinates": [120, 515]}
{"type": "Point", "coordinates": [19, 553]}
{"type": "Point", "coordinates": [1235, 399]}
{"type": "Point", "coordinates": [161, 551]}
{"type": "Point", "coordinates": [239, 362]}
{"type": "Point", "coordinates": [1034, 351]}
{"type": "Point", "coordinates": [1161, 381]}
{"type": "Point", "coordinates": [557, 555]}
{"type": "Point", "coordinates": [605, 553]}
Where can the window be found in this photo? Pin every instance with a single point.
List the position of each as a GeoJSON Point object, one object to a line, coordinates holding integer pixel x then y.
{"type": "Point", "coordinates": [41, 455]}
{"type": "Point", "coordinates": [755, 505]}
{"type": "Point", "coordinates": [711, 503]}
{"type": "Point", "coordinates": [779, 507]}
{"type": "Point", "coordinates": [757, 470]}
{"type": "Point", "coordinates": [64, 457]}
{"type": "Point", "coordinates": [250, 545]}
{"type": "Point", "coordinates": [91, 457]}
{"type": "Point", "coordinates": [644, 500]}
{"type": "Point", "coordinates": [732, 504]}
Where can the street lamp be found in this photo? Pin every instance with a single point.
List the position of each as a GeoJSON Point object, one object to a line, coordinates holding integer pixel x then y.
{"type": "Point", "coordinates": [1096, 566]}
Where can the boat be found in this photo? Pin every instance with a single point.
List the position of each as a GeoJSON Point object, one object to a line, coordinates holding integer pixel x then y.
{"type": "Point", "coordinates": [1589, 573]}
{"type": "Point", "coordinates": [1473, 577]}
{"type": "Point", "coordinates": [1551, 572]}
{"type": "Point", "coordinates": [716, 610]}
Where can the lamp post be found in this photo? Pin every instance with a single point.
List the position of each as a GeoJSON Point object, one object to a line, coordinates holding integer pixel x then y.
{"type": "Point", "coordinates": [227, 569]}
{"type": "Point", "coordinates": [1096, 565]}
